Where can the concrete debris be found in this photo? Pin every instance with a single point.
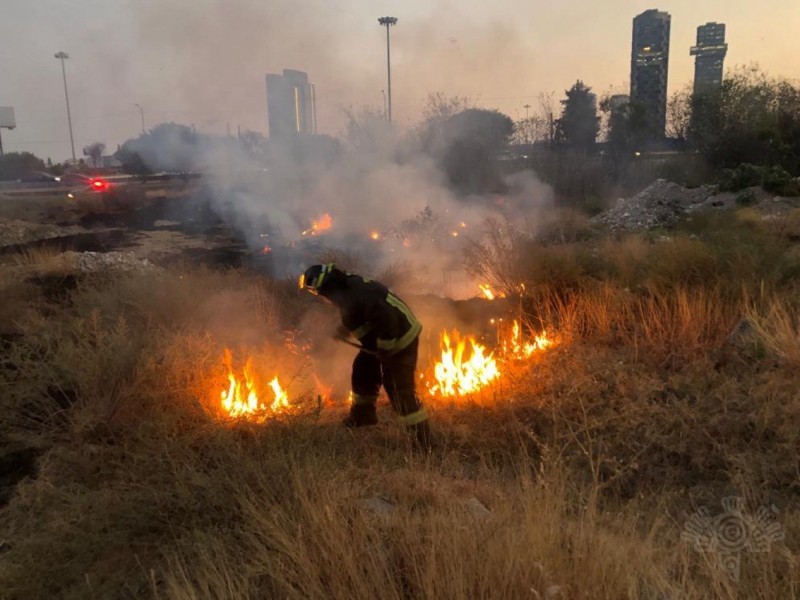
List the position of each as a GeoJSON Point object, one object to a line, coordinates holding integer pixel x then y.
{"type": "Point", "coordinates": [477, 508]}
{"type": "Point", "coordinates": [13, 232]}
{"type": "Point", "coordinates": [377, 505]}
{"type": "Point", "coordinates": [662, 204]}
{"type": "Point", "coordinates": [94, 262]}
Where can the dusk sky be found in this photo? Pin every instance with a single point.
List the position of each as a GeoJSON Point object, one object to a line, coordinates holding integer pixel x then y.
{"type": "Point", "coordinates": [203, 62]}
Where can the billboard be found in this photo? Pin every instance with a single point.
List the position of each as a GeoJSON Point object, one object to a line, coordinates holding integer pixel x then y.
{"type": "Point", "coordinates": [7, 117]}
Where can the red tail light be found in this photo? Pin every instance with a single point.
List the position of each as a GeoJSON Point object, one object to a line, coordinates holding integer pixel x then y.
{"type": "Point", "coordinates": [99, 185]}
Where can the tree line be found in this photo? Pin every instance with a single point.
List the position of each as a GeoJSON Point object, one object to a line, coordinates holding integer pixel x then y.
{"type": "Point", "coordinates": [747, 132]}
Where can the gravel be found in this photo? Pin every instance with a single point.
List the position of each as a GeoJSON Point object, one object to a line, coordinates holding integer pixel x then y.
{"type": "Point", "coordinates": [662, 204]}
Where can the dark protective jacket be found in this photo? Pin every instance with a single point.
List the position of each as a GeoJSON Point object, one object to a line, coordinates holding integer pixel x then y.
{"type": "Point", "coordinates": [379, 319]}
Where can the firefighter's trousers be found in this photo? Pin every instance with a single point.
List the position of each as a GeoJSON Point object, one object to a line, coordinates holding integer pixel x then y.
{"type": "Point", "coordinates": [397, 375]}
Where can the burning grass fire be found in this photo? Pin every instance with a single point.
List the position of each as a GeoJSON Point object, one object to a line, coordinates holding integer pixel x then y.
{"type": "Point", "coordinates": [241, 398]}
{"type": "Point", "coordinates": [514, 347]}
{"type": "Point", "coordinates": [463, 368]}
{"type": "Point", "coordinates": [466, 366]}
{"type": "Point", "coordinates": [323, 223]}
{"type": "Point", "coordinates": [489, 293]}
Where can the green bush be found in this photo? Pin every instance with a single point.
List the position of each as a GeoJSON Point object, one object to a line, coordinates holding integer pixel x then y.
{"type": "Point", "coordinates": [774, 179]}
{"type": "Point", "coordinates": [743, 176]}
{"type": "Point", "coordinates": [779, 181]}
{"type": "Point", "coordinates": [747, 198]}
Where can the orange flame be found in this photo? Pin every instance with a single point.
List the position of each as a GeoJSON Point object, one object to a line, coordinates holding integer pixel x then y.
{"type": "Point", "coordinates": [489, 293]}
{"type": "Point", "coordinates": [467, 366]}
{"type": "Point", "coordinates": [240, 400]}
{"type": "Point", "coordinates": [375, 235]}
{"type": "Point", "coordinates": [460, 372]}
{"type": "Point", "coordinates": [515, 348]}
{"type": "Point", "coordinates": [321, 224]}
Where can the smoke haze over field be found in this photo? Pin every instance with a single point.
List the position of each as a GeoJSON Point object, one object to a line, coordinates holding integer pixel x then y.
{"type": "Point", "coordinates": [204, 61]}
{"type": "Point", "coordinates": [384, 214]}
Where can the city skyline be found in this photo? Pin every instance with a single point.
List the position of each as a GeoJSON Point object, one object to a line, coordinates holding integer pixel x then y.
{"type": "Point", "coordinates": [191, 63]}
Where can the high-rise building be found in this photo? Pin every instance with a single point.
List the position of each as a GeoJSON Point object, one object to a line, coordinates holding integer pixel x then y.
{"type": "Point", "coordinates": [649, 67]}
{"type": "Point", "coordinates": [291, 104]}
{"type": "Point", "coordinates": [710, 54]}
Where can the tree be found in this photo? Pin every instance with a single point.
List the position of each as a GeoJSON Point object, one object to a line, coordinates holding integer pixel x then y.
{"type": "Point", "coordinates": [531, 130]}
{"type": "Point", "coordinates": [679, 114]}
{"type": "Point", "coordinates": [627, 132]}
{"type": "Point", "coordinates": [490, 128]}
{"type": "Point", "coordinates": [252, 141]}
{"type": "Point", "coordinates": [166, 147]}
{"type": "Point", "coordinates": [751, 119]}
{"type": "Point", "coordinates": [436, 112]}
{"type": "Point", "coordinates": [579, 122]}
{"type": "Point", "coordinates": [471, 139]}
{"type": "Point", "coordinates": [367, 129]}
{"type": "Point", "coordinates": [95, 152]}
{"type": "Point", "coordinates": [14, 165]}
{"type": "Point", "coordinates": [547, 110]}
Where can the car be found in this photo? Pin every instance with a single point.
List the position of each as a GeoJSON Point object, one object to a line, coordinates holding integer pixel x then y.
{"type": "Point", "coordinates": [39, 177]}
{"type": "Point", "coordinates": [85, 184]}
{"type": "Point", "coordinates": [76, 180]}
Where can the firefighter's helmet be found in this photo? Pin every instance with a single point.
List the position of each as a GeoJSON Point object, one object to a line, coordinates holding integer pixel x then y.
{"type": "Point", "coordinates": [315, 277]}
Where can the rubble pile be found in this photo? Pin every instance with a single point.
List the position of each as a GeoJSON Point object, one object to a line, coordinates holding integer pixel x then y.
{"type": "Point", "coordinates": [13, 232]}
{"type": "Point", "coordinates": [95, 262]}
{"type": "Point", "coordinates": [662, 204]}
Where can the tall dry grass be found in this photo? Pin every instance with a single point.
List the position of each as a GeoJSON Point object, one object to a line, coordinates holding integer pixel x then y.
{"type": "Point", "coordinates": [588, 463]}
{"type": "Point", "coordinates": [777, 324]}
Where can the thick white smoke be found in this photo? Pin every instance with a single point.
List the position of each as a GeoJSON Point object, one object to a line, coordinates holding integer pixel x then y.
{"type": "Point", "coordinates": [384, 212]}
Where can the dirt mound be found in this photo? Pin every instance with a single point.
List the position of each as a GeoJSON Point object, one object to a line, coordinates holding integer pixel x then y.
{"type": "Point", "coordinates": [662, 204]}
{"type": "Point", "coordinates": [14, 232]}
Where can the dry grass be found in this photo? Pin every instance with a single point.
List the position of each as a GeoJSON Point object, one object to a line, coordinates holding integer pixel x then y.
{"type": "Point", "coordinates": [589, 462]}
{"type": "Point", "coordinates": [777, 325]}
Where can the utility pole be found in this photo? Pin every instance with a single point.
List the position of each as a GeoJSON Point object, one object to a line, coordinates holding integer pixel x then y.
{"type": "Point", "coordinates": [141, 113]}
{"type": "Point", "coordinates": [388, 22]}
{"type": "Point", "coordinates": [61, 56]}
{"type": "Point", "coordinates": [527, 124]}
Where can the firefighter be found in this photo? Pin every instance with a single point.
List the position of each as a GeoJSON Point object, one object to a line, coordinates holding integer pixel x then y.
{"type": "Point", "coordinates": [388, 333]}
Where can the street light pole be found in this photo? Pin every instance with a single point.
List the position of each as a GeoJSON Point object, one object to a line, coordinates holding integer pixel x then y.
{"type": "Point", "coordinates": [527, 124]}
{"type": "Point", "coordinates": [388, 22]}
{"type": "Point", "coordinates": [141, 111]}
{"type": "Point", "coordinates": [61, 56]}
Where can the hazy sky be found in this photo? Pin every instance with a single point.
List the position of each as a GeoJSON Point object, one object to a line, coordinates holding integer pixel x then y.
{"type": "Point", "coordinates": [203, 62]}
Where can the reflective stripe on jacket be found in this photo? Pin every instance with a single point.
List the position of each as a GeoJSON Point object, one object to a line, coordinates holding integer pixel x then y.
{"type": "Point", "coordinates": [376, 316]}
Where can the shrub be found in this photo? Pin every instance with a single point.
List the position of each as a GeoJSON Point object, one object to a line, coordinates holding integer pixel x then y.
{"type": "Point", "coordinates": [743, 176]}
{"type": "Point", "coordinates": [774, 179]}
{"type": "Point", "coordinates": [778, 181]}
{"type": "Point", "coordinates": [746, 198]}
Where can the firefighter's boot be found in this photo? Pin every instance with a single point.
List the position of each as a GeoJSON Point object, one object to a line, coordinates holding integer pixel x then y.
{"type": "Point", "coordinates": [361, 415]}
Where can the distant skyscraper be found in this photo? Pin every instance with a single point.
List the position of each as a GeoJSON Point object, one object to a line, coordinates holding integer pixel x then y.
{"type": "Point", "coordinates": [291, 104]}
{"type": "Point", "coordinates": [649, 67]}
{"type": "Point", "coordinates": [710, 52]}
